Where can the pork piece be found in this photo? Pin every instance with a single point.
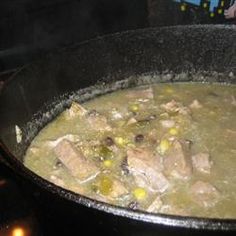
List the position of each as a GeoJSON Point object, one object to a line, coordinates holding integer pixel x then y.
{"type": "Point", "coordinates": [175, 107]}
{"type": "Point", "coordinates": [146, 168]}
{"type": "Point", "coordinates": [195, 104]}
{"type": "Point", "coordinates": [74, 160]}
{"type": "Point", "coordinates": [204, 194]}
{"type": "Point", "coordinates": [177, 162]}
{"type": "Point", "coordinates": [201, 162]}
{"type": "Point", "coordinates": [75, 110]}
{"type": "Point", "coordinates": [98, 122]}
{"type": "Point", "coordinates": [118, 189]}
{"type": "Point", "coordinates": [131, 121]}
{"type": "Point", "coordinates": [155, 206]}
{"type": "Point", "coordinates": [167, 123]}
{"type": "Point", "coordinates": [141, 94]}
{"type": "Point", "coordinates": [118, 114]}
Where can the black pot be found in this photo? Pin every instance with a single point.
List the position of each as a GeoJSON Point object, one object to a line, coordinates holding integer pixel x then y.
{"type": "Point", "coordinates": [209, 51]}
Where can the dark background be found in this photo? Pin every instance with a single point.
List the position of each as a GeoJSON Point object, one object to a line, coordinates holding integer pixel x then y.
{"type": "Point", "coordinates": [29, 28]}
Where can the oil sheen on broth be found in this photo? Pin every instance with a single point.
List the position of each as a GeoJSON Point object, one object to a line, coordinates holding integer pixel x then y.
{"type": "Point", "coordinates": [167, 148]}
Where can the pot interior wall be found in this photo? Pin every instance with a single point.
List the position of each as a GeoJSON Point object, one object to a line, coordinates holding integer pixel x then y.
{"type": "Point", "coordinates": [192, 49]}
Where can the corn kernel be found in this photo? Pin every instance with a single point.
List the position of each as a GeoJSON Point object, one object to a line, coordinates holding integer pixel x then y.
{"type": "Point", "coordinates": [107, 163]}
{"type": "Point", "coordinates": [134, 107]}
{"type": "Point", "coordinates": [140, 193]}
{"type": "Point", "coordinates": [173, 131]}
{"type": "Point", "coordinates": [163, 146]}
{"type": "Point", "coordinates": [122, 142]}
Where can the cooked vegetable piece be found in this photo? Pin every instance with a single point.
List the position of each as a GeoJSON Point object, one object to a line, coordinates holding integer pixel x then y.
{"type": "Point", "coordinates": [173, 131]}
{"type": "Point", "coordinates": [107, 163]}
{"type": "Point", "coordinates": [110, 187]}
{"type": "Point", "coordinates": [140, 194]}
{"type": "Point", "coordinates": [163, 147]}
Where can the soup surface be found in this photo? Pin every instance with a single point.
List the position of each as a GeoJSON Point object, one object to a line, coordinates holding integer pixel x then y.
{"type": "Point", "coordinates": [162, 148]}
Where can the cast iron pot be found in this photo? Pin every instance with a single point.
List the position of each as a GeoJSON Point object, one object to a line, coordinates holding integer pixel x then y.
{"type": "Point", "coordinates": [51, 83]}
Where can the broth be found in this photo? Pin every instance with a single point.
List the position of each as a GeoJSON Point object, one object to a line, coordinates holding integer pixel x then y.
{"type": "Point", "coordinates": [163, 148]}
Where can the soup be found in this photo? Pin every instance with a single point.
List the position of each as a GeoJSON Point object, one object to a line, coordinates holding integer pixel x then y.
{"type": "Point", "coordinates": [163, 148]}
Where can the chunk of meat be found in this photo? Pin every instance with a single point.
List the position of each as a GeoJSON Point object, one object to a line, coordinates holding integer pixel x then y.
{"type": "Point", "coordinates": [120, 113]}
{"type": "Point", "coordinates": [204, 194]}
{"type": "Point", "coordinates": [155, 206]}
{"type": "Point", "coordinates": [141, 93]}
{"type": "Point", "coordinates": [175, 107]}
{"type": "Point", "coordinates": [75, 110]}
{"type": "Point", "coordinates": [98, 122]}
{"type": "Point", "coordinates": [74, 160]}
{"type": "Point", "coordinates": [167, 123]}
{"type": "Point", "coordinates": [201, 162]}
{"type": "Point", "coordinates": [118, 189]}
{"type": "Point", "coordinates": [146, 168]}
{"type": "Point", "coordinates": [195, 104]}
{"type": "Point", "coordinates": [131, 121]}
{"type": "Point", "coordinates": [177, 162]}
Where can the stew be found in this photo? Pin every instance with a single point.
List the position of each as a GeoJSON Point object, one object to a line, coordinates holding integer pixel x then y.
{"type": "Point", "coordinates": [164, 148]}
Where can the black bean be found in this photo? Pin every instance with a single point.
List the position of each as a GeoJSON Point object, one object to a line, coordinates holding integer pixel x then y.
{"type": "Point", "coordinates": [58, 164]}
{"type": "Point", "coordinates": [93, 113]}
{"type": "Point", "coordinates": [108, 141]}
{"type": "Point", "coordinates": [139, 138]}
